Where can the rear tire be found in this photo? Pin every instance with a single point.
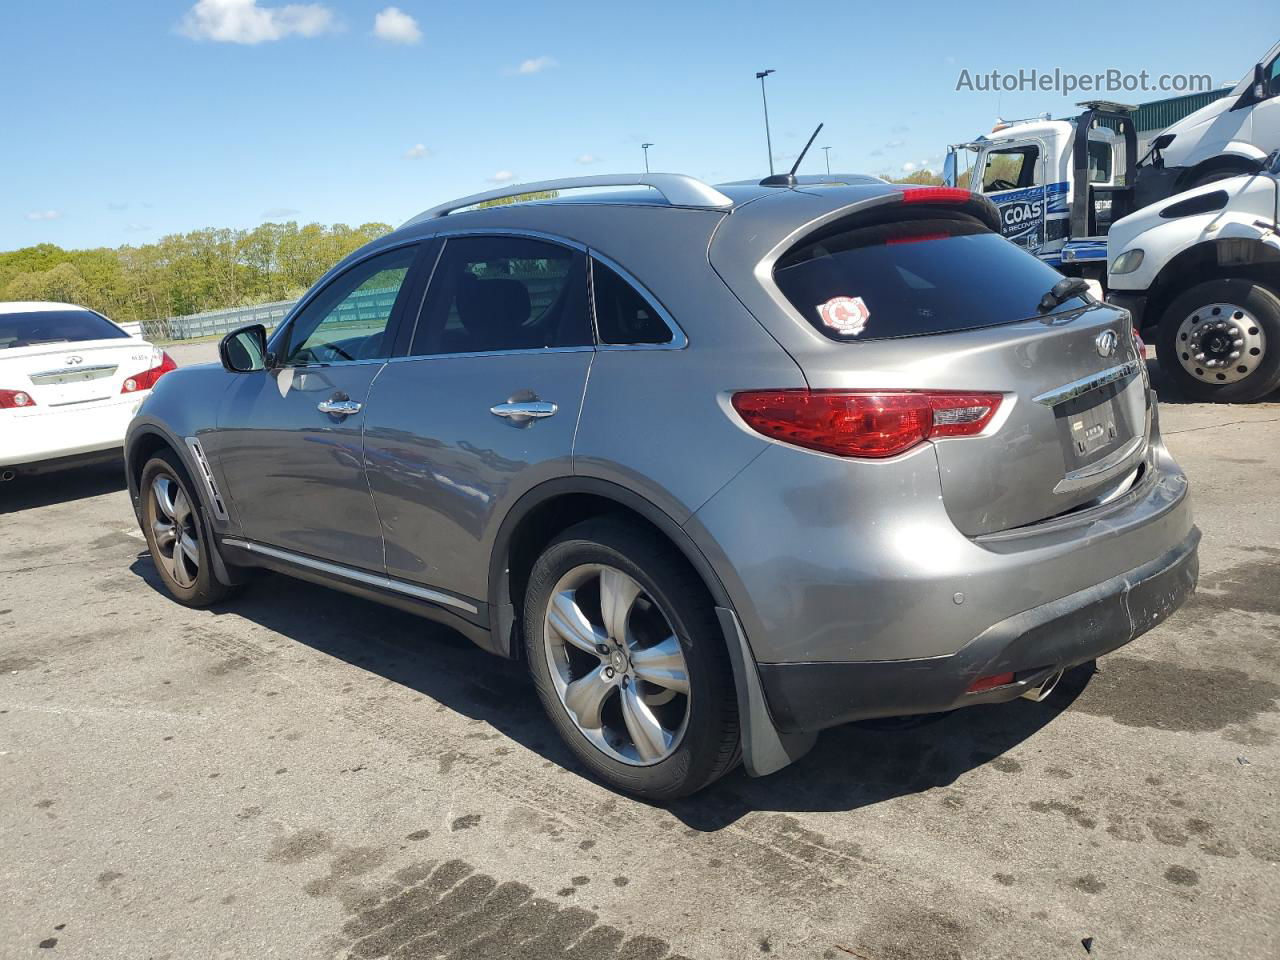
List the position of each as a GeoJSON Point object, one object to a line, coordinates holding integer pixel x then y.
{"type": "Point", "coordinates": [178, 533]}
{"type": "Point", "coordinates": [1234, 326]}
{"type": "Point", "coordinates": [654, 710]}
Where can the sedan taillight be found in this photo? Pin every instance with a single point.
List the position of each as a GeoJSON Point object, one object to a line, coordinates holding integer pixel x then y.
{"type": "Point", "coordinates": [864, 423]}
{"type": "Point", "coordinates": [147, 379]}
{"type": "Point", "coordinates": [11, 399]}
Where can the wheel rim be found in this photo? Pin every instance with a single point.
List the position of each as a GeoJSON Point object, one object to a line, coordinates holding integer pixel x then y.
{"type": "Point", "coordinates": [616, 664]}
{"type": "Point", "coordinates": [1221, 343]}
{"type": "Point", "coordinates": [173, 525]}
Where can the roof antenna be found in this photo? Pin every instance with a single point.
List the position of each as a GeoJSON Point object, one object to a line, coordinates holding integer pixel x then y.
{"type": "Point", "coordinates": [789, 179]}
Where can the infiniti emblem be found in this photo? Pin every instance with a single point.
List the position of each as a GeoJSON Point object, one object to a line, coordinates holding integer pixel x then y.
{"type": "Point", "coordinates": [1106, 342]}
{"type": "Point", "coordinates": [74, 360]}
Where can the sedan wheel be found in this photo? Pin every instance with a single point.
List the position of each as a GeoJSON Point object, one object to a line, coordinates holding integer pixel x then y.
{"type": "Point", "coordinates": [617, 665]}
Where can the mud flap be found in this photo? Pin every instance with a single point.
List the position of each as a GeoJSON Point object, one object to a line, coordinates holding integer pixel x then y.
{"type": "Point", "coordinates": [765, 749]}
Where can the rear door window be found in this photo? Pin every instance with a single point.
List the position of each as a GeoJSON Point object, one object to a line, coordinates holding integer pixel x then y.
{"type": "Point", "coordinates": [928, 273]}
{"type": "Point", "coordinates": [36, 327]}
{"type": "Point", "coordinates": [502, 293]}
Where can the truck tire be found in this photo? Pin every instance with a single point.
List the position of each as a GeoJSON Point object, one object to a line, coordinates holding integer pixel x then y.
{"type": "Point", "coordinates": [1219, 341]}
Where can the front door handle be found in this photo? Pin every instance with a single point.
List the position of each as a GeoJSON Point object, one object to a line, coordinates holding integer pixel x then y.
{"type": "Point", "coordinates": [339, 408]}
{"type": "Point", "coordinates": [524, 412]}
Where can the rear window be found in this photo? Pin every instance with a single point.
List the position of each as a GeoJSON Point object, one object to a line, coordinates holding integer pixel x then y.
{"type": "Point", "coordinates": [930, 273]}
{"type": "Point", "coordinates": [55, 326]}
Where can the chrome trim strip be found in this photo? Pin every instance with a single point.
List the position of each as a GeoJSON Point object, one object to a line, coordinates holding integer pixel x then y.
{"type": "Point", "coordinates": [491, 353]}
{"type": "Point", "coordinates": [348, 573]}
{"type": "Point", "coordinates": [95, 372]}
{"type": "Point", "coordinates": [1076, 388]}
{"type": "Point", "coordinates": [206, 473]}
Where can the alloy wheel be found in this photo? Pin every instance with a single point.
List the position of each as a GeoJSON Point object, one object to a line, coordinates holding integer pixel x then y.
{"type": "Point", "coordinates": [617, 665]}
{"type": "Point", "coordinates": [177, 537]}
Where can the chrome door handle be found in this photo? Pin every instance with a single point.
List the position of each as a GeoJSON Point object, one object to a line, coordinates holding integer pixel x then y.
{"type": "Point", "coordinates": [523, 412]}
{"type": "Point", "coordinates": [339, 408]}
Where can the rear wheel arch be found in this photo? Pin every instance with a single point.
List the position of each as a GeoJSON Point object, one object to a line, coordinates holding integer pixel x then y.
{"type": "Point", "coordinates": [547, 510]}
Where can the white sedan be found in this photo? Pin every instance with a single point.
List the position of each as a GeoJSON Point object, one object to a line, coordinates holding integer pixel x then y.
{"type": "Point", "coordinates": [70, 381]}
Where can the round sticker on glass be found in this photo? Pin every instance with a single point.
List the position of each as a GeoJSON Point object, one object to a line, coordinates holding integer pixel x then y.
{"type": "Point", "coordinates": [847, 316]}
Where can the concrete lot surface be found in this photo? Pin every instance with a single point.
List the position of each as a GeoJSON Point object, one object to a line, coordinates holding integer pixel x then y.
{"type": "Point", "coordinates": [300, 774]}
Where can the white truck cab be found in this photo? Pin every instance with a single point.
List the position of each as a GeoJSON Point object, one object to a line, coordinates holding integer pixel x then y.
{"type": "Point", "coordinates": [1200, 272]}
{"type": "Point", "coordinates": [1226, 138]}
{"type": "Point", "coordinates": [1056, 192]}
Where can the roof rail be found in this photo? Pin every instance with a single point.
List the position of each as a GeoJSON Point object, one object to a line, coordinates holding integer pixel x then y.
{"type": "Point", "coordinates": [677, 189]}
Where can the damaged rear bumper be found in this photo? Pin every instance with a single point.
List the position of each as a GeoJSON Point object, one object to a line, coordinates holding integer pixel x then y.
{"type": "Point", "coordinates": [1033, 645]}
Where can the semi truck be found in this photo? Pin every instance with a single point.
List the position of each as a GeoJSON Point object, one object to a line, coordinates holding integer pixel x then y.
{"type": "Point", "coordinates": [1200, 273]}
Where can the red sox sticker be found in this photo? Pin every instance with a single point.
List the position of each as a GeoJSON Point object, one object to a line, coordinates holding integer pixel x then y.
{"type": "Point", "coordinates": [845, 315]}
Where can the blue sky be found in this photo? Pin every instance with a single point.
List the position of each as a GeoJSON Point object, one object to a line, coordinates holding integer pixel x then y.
{"type": "Point", "coordinates": [130, 119]}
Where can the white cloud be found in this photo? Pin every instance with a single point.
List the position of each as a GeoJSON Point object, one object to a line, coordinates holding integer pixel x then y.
{"type": "Point", "coordinates": [894, 144]}
{"type": "Point", "coordinates": [117, 205]}
{"type": "Point", "coordinates": [417, 152]}
{"type": "Point", "coordinates": [587, 158]}
{"type": "Point", "coordinates": [908, 167]}
{"type": "Point", "coordinates": [535, 65]}
{"type": "Point", "coordinates": [244, 21]}
{"type": "Point", "coordinates": [280, 213]}
{"type": "Point", "coordinates": [502, 176]}
{"type": "Point", "coordinates": [45, 215]}
{"type": "Point", "coordinates": [396, 26]}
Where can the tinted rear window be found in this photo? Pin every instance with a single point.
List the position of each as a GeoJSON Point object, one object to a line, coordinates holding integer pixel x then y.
{"type": "Point", "coordinates": [54, 326]}
{"type": "Point", "coordinates": [907, 277]}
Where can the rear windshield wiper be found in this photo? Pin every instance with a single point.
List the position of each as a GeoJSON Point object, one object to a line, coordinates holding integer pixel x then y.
{"type": "Point", "coordinates": [1063, 290]}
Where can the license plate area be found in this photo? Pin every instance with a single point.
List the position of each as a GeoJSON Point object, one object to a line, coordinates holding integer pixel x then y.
{"type": "Point", "coordinates": [1093, 426]}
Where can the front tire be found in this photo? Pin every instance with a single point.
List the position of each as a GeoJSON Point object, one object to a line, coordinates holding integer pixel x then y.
{"type": "Point", "coordinates": [1219, 341]}
{"type": "Point", "coordinates": [177, 532]}
{"type": "Point", "coordinates": [629, 660]}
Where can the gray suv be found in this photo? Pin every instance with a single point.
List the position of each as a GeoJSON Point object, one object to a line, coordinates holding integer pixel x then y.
{"type": "Point", "coordinates": [724, 465]}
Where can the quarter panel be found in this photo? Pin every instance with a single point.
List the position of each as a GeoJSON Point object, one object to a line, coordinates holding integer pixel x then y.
{"type": "Point", "coordinates": [829, 559]}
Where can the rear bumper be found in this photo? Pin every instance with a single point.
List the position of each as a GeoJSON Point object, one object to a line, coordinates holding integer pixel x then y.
{"type": "Point", "coordinates": [1032, 645]}
{"type": "Point", "coordinates": [70, 431]}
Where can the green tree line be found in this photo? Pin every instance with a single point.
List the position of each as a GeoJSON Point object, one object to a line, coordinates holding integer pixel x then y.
{"type": "Point", "coordinates": [186, 273]}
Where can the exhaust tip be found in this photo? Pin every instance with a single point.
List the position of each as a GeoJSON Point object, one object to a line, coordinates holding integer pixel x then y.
{"type": "Point", "coordinates": [7, 475]}
{"type": "Point", "coordinates": [1045, 688]}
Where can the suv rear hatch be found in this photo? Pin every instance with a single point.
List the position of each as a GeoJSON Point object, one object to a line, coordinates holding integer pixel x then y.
{"type": "Point", "coordinates": [926, 297]}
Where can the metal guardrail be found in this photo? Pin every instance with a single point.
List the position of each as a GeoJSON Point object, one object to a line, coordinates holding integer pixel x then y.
{"type": "Point", "coordinates": [359, 310]}
{"type": "Point", "coordinates": [216, 322]}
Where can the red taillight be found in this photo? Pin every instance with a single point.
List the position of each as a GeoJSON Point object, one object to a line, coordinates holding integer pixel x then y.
{"type": "Point", "coordinates": [990, 683]}
{"type": "Point", "coordinates": [865, 423]}
{"type": "Point", "coordinates": [10, 399]}
{"type": "Point", "coordinates": [936, 195]}
{"type": "Point", "coordinates": [147, 379]}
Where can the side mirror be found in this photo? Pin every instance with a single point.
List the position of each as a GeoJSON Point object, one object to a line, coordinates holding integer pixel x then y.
{"type": "Point", "coordinates": [244, 350]}
{"type": "Point", "coordinates": [1260, 91]}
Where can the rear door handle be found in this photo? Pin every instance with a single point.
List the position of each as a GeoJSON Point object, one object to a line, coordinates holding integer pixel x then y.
{"type": "Point", "coordinates": [524, 412]}
{"type": "Point", "coordinates": [339, 408]}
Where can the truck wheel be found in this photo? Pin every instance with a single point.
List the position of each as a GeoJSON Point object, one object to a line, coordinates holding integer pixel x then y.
{"type": "Point", "coordinates": [1220, 341]}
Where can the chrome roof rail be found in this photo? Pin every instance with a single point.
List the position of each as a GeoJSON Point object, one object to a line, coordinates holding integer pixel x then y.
{"type": "Point", "coordinates": [677, 189]}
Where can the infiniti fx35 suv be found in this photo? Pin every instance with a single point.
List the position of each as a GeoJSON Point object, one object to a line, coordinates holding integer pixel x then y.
{"type": "Point", "coordinates": [725, 466]}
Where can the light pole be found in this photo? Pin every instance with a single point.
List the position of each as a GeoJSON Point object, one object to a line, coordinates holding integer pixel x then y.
{"type": "Point", "coordinates": [645, 147]}
{"type": "Point", "coordinates": [827, 153]}
{"type": "Point", "coordinates": [767, 139]}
